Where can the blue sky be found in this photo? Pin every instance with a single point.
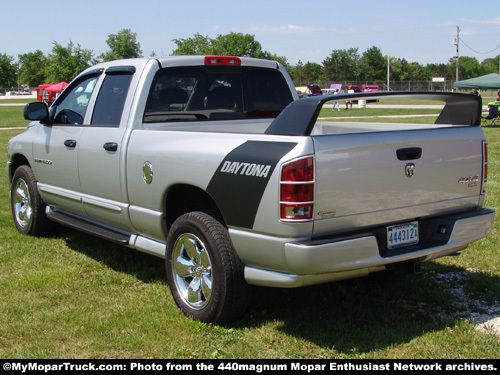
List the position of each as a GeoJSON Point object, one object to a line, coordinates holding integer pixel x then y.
{"type": "Point", "coordinates": [420, 31]}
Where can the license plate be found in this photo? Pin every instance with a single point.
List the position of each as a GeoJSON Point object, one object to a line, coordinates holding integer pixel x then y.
{"type": "Point", "coordinates": [402, 235]}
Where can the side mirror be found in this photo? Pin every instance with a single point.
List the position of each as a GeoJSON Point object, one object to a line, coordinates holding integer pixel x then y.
{"type": "Point", "coordinates": [36, 111]}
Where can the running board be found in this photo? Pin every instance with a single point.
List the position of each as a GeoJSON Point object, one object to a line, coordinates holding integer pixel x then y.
{"type": "Point", "coordinates": [87, 227]}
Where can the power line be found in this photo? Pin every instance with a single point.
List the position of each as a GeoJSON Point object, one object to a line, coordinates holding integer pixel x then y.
{"type": "Point", "coordinates": [481, 53]}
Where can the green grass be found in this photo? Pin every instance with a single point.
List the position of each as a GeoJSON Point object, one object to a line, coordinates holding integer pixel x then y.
{"type": "Point", "coordinates": [71, 295]}
{"type": "Point", "coordinates": [12, 116]}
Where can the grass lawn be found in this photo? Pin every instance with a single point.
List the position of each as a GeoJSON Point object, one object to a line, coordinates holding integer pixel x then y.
{"type": "Point", "coordinates": [70, 295]}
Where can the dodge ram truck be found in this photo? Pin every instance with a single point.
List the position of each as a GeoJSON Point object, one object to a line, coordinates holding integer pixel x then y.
{"type": "Point", "coordinates": [214, 164]}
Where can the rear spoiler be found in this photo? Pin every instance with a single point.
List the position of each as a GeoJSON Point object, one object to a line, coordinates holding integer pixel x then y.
{"type": "Point", "coordinates": [299, 117]}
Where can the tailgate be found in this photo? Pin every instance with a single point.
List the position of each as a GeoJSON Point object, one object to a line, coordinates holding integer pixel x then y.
{"type": "Point", "coordinates": [365, 179]}
{"type": "Point", "coordinates": [374, 174]}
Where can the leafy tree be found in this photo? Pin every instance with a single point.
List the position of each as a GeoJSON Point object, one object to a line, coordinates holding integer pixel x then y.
{"type": "Point", "coordinates": [197, 45]}
{"type": "Point", "coordinates": [416, 72]}
{"type": "Point", "coordinates": [237, 44]}
{"type": "Point", "coordinates": [468, 67]}
{"type": "Point", "coordinates": [312, 71]}
{"type": "Point", "coordinates": [8, 71]}
{"type": "Point", "coordinates": [490, 65]}
{"type": "Point", "coordinates": [233, 44]}
{"type": "Point", "coordinates": [439, 70]}
{"type": "Point", "coordinates": [342, 65]}
{"type": "Point", "coordinates": [402, 70]}
{"type": "Point", "coordinates": [373, 65]}
{"type": "Point", "coordinates": [33, 68]}
{"type": "Point", "coordinates": [123, 45]}
{"type": "Point", "coordinates": [64, 63]}
{"type": "Point", "coordinates": [297, 72]}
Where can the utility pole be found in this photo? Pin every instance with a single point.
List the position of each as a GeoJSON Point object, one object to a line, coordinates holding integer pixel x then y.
{"type": "Point", "coordinates": [388, 73]}
{"type": "Point", "coordinates": [455, 42]}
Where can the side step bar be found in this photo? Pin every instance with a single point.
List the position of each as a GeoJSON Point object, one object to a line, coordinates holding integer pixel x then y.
{"type": "Point", "coordinates": [88, 227]}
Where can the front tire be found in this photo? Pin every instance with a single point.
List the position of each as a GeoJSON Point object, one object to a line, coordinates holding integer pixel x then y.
{"type": "Point", "coordinates": [203, 270]}
{"type": "Point", "coordinates": [28, 208]}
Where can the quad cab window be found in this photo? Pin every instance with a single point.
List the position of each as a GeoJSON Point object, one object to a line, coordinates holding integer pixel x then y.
{"type": "Point", "coordinates": [111, 99]}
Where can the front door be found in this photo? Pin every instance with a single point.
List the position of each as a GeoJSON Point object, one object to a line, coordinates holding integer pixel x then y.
{"type": "Point", "coordinates": [55, 149]}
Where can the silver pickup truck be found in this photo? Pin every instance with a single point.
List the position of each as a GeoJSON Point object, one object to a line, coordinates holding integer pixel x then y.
{"type": "Point", "coordinates": [215, 165]}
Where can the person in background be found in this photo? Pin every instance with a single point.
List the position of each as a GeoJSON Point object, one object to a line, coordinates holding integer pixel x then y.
{"type": "Point", "coordinates": [498, 96]}
{"type": "Point", "coordinates": [474, 92]}
{"type": "Point", "coordinates": [336, 103]}
{"type": "Point", "coordinates": [349, 102]}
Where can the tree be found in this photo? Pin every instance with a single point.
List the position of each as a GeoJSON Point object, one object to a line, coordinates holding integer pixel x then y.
{"type": "Point", "coordinates": [342, 65]}
{"type": "Point", "coordinates": [33, 68]}
{"type": "Point", "coordinates": [7, 71]}
{"type": "Point", "coordinates": [237, 44]}
{"type": "Point", "coordinates": [297, 72]}
{"type": "Point", "coordinates": [439, 70]}
{"type": "Point", "coordinates": [468, 67]}
{"type": "Point", "coordinates": [312, 72]}
{"type": "Point", "coordinates": [232, 44]}
{"type": "Point", "coordinates": [308, 73]}
{"type": "Point", "coordinates": [64, 63]}
{"type": "Point", "coordinates": [402, 70]}
{"type": "Point", "coordinates": [373, 65]}
{"type": "Point", "coordinates": [490, 65]}
{"type": "Point", "coordinates": [197, 45]}
{"type": "Point", "coordinates": [123, 45]}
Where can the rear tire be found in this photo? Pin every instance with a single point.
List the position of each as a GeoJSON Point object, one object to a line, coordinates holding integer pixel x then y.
{"type": "Point", "coordinates": [203, 270]}
{"type": "Point", "coordinates": [28, 208]}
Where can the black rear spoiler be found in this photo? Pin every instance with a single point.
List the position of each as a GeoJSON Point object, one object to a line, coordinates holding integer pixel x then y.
{"type": "Point", "coordinates": [299, 117]}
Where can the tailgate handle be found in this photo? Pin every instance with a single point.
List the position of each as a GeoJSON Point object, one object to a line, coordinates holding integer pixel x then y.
{"type": "Point", "coordinates": [410, 153]}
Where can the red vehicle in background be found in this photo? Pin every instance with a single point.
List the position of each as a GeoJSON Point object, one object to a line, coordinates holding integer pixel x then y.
{"type": "Point", "coordinates": [48, 92]}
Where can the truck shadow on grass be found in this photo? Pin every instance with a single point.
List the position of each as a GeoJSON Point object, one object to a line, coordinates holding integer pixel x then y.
{"type": "Point", "coordinates": [379, 311]}
{"type": "Point", "coordinates": [352, 316]}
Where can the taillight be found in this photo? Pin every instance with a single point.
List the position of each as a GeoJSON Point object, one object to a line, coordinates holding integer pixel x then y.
{"type": "Point", "coordinates": [222, 60]}
{"type": "Point", "coordinates": [297, 190]}
{"type": "Point", "coordinates": [485, 166]}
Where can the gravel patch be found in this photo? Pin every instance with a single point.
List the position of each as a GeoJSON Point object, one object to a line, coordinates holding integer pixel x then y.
{"type": "Point", "coordinates": [485, 315]}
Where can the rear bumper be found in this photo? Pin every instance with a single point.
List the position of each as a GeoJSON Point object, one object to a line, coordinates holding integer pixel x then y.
{"type": "Point", "coordinates": [325, 260]}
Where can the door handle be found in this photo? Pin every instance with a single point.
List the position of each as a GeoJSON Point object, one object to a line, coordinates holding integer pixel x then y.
{"type": "Point", "coordinates": [110, 146]}
{"type": "Point", "coordinates": [70, 143]}
{"type": "Point", "coordinates": [410, 153]}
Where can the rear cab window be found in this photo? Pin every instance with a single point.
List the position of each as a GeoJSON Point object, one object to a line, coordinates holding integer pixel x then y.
{"type": "Point", "coordinates": [216, 93]}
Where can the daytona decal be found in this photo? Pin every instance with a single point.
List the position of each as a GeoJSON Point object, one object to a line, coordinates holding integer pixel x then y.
{"type": "Point", "coordinates": [241, 179]}
{"type": "Point", "coordinates": [256, 170]}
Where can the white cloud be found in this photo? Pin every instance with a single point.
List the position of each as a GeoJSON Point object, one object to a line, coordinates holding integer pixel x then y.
{"type": "Point", "coordinates": [297, 29]}
{"type": "Point", "coordinates": [491, 21]}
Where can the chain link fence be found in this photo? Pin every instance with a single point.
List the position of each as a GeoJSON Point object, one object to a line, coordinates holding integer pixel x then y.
{"type": "Point", "coordinates": [392, 86]}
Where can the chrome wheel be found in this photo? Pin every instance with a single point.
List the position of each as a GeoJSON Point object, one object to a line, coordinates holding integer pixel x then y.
{"type": "Point", "coordinates": [22, 203]}
{"type": "Point", "coordinates": [27, 206]}
{"type": "Point", "coordinates": [205, 275]}
{"type": "Point", "coordinates": [192, 270]}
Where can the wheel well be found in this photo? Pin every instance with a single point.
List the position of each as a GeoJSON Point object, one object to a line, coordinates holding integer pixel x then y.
{"type": "Point", "coordinates": [182, 199]}
{"type": "Point", "coordinates": [16, 161]}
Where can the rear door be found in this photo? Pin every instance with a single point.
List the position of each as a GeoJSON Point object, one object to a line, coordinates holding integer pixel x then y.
{"type": "Point", "coordinates": [101, 150]}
